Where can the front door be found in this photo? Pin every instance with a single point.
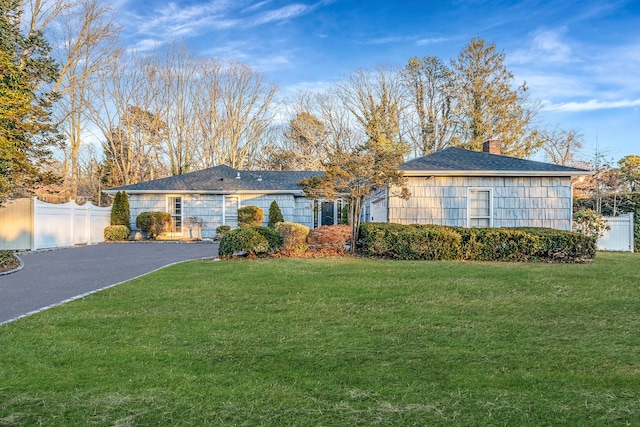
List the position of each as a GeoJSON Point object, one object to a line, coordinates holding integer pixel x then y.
{"type": "Point", "coordinates": [327, 213]}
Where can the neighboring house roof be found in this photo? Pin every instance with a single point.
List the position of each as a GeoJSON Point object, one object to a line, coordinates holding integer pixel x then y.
{"type": "Point", "coordinates": [459, 162]}
{"type": "Point", "coordinates": [223, 180]}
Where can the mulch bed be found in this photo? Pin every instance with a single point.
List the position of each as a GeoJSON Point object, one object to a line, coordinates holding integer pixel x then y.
{"type": "Point", "coordinates": [8, 261]}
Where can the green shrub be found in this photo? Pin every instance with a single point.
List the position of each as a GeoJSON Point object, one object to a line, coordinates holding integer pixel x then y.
{"type": "Point", "coordinates": [275, 214]}
{"type": "Point", "coordinates": [249, 216]}
{"type": "Point", "coordinates": [294, 237]}
{"type": "Point", "coordinates": [120, 210]}
{"type": "Point", "coordinates": [246, 239]}
{"type": "Point", "coordinates": [221, 230]}
{"type": "Point", "coordinates": [272, 236]}
{"type": "Point", "coordinates": [563, 246]}
{"type": "Point", "coordinates": [114, 233]}
{"type": "Point", "coordinates": [411, 242]}
{"type": "Point", "coordinates": [154, 223]}
{"type": "Point", "coordinates": [474, 244]}
{"type": "Point", "coordinates": [502, 244]}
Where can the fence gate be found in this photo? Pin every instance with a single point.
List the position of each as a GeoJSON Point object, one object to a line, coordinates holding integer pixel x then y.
{"type": "Point", "coordinates": [620, 237]}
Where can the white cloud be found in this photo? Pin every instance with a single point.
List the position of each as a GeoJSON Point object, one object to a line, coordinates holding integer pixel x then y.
{"type": "Point", "coordinates": [422, 42]}
{"type": "Point", "coordinates": [282, 14]}
{"type": "Point", "coordinates": [546, 46]}
{"type": "Point", "coordinates": [591, 105]}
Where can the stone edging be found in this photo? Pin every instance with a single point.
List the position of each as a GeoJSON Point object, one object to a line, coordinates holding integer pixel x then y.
{"type": "Point", "coordinates": [18, 268]}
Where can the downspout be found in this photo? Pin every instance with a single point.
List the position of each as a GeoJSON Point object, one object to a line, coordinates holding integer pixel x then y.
{"type": "Point", "coordinates": [387, 199]}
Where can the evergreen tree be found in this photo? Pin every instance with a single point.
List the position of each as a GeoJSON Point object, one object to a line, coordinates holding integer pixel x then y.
{"type": "Point", "coordinates": [120, 209]}
{"type": "Point", "coordinates": [275, 214]}
{"type": "Point", "coordinates": [489, 104]}
{"type": "Point", "coordinates": [26, 129]}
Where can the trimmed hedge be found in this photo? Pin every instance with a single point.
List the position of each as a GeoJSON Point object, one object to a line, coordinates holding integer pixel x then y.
{"type": "Point", "coordinates": [272, 236]}
{"type": "Point", "coordinates": [114, 233]}
{"type": "Point", "coordinates": [433, 242]}
{"type": "Point", "coordinates": [249, 216]}
{"type": "Point", "coordinates": [247, 239]}
{"type": "Point", "coordinates": [154, 223]}
{"type": "Point", "coordinates": [294, 237]}
{"type": "Point", "coordinates": [221, 230]}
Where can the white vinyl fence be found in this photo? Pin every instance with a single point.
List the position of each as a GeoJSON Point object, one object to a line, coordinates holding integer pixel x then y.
{"type": "Point", "coordinates": [620, 237]}
{"type": "Point", "coordinates": [52, 226]}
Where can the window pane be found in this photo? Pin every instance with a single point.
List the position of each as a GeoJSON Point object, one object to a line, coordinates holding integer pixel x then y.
{"type": "Point", "coordinates": [175, 209]}
{"type": "Point", "coordinates": [479, 208]}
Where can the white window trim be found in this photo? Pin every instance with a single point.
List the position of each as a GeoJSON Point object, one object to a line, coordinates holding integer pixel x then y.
{"type": "Point", "coordinates": [168, 209]}
{"type": "Point", "coordinates": [469, 191]}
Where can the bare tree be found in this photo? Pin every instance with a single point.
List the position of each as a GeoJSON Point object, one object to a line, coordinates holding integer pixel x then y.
{"type": "Point", "coordinates": [209, 115]}
{"type": "Point", "coordinates": [172, 75]}
{"type": "Point", "coordinates": [562, 146]}
{"type": "Point", "coordinates": [430, 86]}
{"type": "Point", "coordinates": [84, 35]}
{"type": "Point", "coordinates": [133, 137]}
{"type": "Point", "coordinates": [247, 113]}
{"type": "Point", "coordinates": [366, 94]}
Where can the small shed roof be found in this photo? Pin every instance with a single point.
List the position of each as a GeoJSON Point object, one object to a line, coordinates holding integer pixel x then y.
{"type": "Point", "coordinates": [459, 162]}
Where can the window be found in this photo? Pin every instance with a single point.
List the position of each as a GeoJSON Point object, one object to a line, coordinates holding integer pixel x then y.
{"type": "Point", "coordinates": [480, 208]}
{"type": "Point", "coordinates": [174, 205]}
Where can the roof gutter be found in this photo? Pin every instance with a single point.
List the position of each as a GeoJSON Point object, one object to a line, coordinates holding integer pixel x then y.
{"type": "Point", "coordinates": [177, 191]}
{"type": "Point", "coordinates": [416, 173]}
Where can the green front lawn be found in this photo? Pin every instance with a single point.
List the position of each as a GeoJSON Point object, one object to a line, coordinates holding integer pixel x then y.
{"type": "Point", "coordinates": [344, 342]}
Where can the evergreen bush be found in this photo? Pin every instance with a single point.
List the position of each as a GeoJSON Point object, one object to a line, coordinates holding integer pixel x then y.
{"type": "Point", "coordinates": [294, 237]}
{"type": "Point", "coordinates": [115, 233]}
{"type": "Point", "coordinates": [275, 214]}
{"type": "Point", "coordinates": [272, 236]}
{"type": "Point", "coordinates": [474, 244]}
{"type": "Point", "coordinates": [154, 223]}
{"type": "Point", "coordinates": [221, 230]}
{"type": "Point", "coordinates": [249, 216]}
{"type": "Point", "coordinates": [120, 210]}
{"type": "Point", "coordinates": [246, 239]}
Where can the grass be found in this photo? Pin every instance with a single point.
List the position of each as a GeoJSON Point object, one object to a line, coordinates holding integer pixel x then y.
{"type": "Point", "coordinates": [348, 341]}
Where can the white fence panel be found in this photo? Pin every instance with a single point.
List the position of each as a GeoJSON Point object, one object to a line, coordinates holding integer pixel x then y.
{"type": "Point", "coordinates": [100, 219]}
{"type": "Point", "coordinates": [68, 224]}
{"type": "Point", "coordinates": [53, 225]}
{"type": "Point", "coordinates": [620, 237]}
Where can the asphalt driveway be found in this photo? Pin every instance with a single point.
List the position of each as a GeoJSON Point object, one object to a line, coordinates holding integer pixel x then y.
{"type": "Point", "coordinates": [49, 278]}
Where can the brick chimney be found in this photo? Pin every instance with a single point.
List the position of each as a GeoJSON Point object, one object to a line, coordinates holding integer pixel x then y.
{"type": "Point", "coordinates": [492, 145]}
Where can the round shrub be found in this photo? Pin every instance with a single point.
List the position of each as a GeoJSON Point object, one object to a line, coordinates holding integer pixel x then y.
{"type": "Point", "coordinates": [275, 214]}
{"type": "Point", "coordinates": [272, 236]}
{"type": "Point", "coordinates": [114, 233]}
{"type": "Point", "coordinates": [221, 230]}
{"type": "Point", "coordinates": [249, 216]}
{"type": "Point", "coordinates": [294, 237]}
{"type": "Point", "coordinates": [154, 223]}
{"type": "Point", "coordinates": [243, 240]}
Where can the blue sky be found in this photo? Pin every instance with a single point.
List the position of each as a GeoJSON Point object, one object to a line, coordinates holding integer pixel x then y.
{"type": "Point", "coordinates": [581, 59]}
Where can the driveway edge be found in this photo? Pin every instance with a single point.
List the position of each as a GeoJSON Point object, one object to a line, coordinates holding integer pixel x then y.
{"type": "Point", "coordinates": [86, 294]}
